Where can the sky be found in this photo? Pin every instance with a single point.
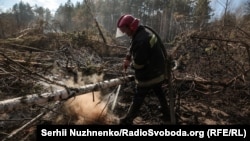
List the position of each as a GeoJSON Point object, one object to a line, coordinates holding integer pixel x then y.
{"type": "Point", "coordinates": [217, 5]}
{"type": "Point", "coordinates": [50, 4]}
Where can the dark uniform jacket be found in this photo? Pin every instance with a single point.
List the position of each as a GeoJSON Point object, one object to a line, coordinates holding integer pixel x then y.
{"type": "Point", "coordinates": [147, 57]}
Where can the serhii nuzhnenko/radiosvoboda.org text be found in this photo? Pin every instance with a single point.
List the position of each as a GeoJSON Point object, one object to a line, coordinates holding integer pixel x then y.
{"type": "Point", "coordinates": [121, 132]}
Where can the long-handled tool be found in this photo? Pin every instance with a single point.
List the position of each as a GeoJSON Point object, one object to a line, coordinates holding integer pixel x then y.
{"type": "Point", "coordinates": [116, 96]}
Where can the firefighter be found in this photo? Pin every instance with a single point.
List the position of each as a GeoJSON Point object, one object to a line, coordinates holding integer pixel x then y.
{"type": "Point", "coordinates": [146, 58]}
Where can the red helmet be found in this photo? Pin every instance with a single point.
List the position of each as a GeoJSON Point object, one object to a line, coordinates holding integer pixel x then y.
{"type": "Point", "coordinates": [129, 21]}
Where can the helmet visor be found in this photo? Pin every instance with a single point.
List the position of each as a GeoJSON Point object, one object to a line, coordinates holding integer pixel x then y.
{"type": "Point", "coordinates": [119, 33]}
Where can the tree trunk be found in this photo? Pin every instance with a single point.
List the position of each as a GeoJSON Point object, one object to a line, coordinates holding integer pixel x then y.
{"type": "Point", "coordinates": [16, 103]}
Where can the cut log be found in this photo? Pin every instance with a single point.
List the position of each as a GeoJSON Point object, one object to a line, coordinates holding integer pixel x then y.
{"type": "Point", "coordinates": [39, 99]}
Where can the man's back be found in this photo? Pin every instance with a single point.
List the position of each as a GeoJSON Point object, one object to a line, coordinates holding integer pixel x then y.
{"type": "Point", "coordinates": [147, 55]}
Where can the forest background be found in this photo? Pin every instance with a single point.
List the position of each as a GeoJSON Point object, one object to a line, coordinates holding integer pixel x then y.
{"type": "Point", "coordinates": [168, 17]}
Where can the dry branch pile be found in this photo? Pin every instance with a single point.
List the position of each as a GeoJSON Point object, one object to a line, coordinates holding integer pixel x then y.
{"type": "Point", "coordinates": [44, 63]}
{"type": "Point", "coordinates": [215, 57]}
{"type": "Point", "coordinates": [211, 84]}
{"type": "Point", "coordinates": [214, 68]}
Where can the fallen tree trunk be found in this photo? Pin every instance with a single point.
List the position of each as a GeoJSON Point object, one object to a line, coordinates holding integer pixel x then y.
{"type": "Point", "coordinates": [38, 99]}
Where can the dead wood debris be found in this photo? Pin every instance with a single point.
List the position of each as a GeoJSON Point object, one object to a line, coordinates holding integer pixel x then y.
{"type": "Point", "coordinates": [211, 84]}
{"type": "Point", "coordinates": [27, 63]}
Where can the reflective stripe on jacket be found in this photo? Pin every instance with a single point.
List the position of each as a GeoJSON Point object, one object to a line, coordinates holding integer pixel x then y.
{"type": "Point", "coordinates": [147, 57]}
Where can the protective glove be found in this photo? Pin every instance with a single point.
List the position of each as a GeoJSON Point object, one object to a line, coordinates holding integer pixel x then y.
{"type": "Point", "coordinates": [126, 64]}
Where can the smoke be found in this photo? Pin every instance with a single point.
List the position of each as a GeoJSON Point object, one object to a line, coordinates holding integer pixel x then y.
{"type": "Point", "coordinates": [86, 109]}
{"type": "Point", "coordinates": [89, 108]}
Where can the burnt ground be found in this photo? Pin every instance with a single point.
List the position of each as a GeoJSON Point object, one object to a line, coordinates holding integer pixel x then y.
{"type": "Point", "coordinates": [210, 85]}
{"type": "Point", "coordinates": [191, 108]}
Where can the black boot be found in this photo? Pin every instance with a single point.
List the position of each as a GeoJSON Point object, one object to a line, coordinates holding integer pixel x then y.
{"type": "Point", "coordinates": [125, 121]}
{"type": "Point", "coordinates": [132, 113]}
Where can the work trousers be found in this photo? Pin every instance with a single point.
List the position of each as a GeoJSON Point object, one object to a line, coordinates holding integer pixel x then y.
{"type": "Point", "coordinates": [138, 99]}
